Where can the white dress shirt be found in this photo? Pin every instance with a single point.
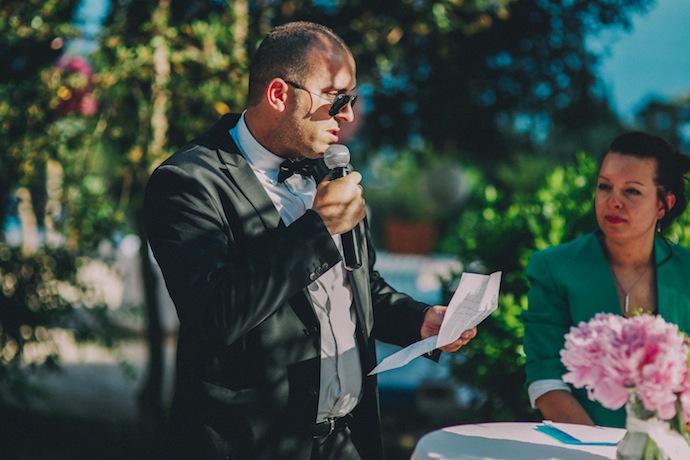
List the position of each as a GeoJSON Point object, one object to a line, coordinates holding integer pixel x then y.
{"type": "Point", "coordinates": [331, 294]}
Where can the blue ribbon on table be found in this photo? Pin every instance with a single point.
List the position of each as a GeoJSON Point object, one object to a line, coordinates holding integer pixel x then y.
{"type": "Point", "coordinates": [565, 438]}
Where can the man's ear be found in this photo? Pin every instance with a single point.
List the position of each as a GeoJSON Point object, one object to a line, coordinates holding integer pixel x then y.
{"type": "Point", "coordinates": [277, 94]}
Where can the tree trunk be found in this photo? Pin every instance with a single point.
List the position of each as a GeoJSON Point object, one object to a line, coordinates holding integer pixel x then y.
{"type": "Point", "coordinates": [28, 220]}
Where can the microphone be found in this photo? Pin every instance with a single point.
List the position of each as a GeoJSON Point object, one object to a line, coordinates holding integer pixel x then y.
{"type": "Point", "coordinates": [337, 157]}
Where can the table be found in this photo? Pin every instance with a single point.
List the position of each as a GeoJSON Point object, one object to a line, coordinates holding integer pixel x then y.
{"type": "Point", "coordinates": [506, 441]}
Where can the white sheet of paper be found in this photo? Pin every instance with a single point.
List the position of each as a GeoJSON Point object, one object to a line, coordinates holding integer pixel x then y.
{"type": "Point", "coordinates": [475, 298]}
{"type": "Point", "coordinates": [407, 354]}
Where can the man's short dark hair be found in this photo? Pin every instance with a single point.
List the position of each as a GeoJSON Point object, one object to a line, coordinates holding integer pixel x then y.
{"type": "Point", "coordinates": [284, 53]}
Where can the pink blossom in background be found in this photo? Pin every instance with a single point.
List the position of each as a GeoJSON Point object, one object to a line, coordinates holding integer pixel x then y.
{"type": "Point", "coordinates": [77, 64]}
{"type": "Point", "coordinates": [79, 97]}
{"type": "Point", "coordinates": [611, 356]}
{"type": "Point", "coordinates": [88, 104]}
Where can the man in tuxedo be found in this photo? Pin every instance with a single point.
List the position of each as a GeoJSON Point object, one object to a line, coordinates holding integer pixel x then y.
{"type": "Point", "coordinates": [276, 337]}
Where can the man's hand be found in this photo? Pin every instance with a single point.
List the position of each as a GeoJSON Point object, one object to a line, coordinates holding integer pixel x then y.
{"type": "Point", "coordinates": [340, 203]}
{"type": "Point", "coordinates": [433, 318]}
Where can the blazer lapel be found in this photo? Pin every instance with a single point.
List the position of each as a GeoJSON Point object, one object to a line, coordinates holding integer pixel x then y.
{"type": "Point", "coordinates": [256, 211]}
{"type": "Point", "coordinates": [590, 284]}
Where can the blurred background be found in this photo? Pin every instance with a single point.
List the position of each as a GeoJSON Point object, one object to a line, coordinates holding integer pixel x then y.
{"type": "Point", "coordinates": [478, 130]}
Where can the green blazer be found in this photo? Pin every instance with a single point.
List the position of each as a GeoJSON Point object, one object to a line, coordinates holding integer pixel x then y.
{"type": "Point", "coordinates": [572, 282]}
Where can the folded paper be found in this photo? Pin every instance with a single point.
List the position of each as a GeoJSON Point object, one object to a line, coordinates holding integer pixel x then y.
{"type": "Point", "coordinates": [475, 298]}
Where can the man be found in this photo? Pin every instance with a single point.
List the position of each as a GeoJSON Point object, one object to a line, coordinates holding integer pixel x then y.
{"type": "Point", "coordinates": [276, 337]}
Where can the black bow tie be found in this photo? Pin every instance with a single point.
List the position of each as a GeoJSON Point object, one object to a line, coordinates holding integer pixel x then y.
{"type": "Point", "coordinates": [304, 167]}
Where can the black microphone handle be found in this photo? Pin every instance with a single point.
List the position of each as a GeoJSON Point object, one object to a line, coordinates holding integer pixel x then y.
{"type": "Point", "coordinates": [350, 240]}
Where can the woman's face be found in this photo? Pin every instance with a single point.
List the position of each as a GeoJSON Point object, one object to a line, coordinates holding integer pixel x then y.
{"type": "Point", "coordinates": [626, 202]}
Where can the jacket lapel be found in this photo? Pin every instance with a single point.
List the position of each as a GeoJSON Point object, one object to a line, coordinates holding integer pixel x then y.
{"type": "Point", "coordinates": [256, 211]}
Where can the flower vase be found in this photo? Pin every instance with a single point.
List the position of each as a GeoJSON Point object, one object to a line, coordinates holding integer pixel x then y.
{"type": "Point", "coordinates": [638, 446]}
{"type": "Point", "coordinates": [636, 443]}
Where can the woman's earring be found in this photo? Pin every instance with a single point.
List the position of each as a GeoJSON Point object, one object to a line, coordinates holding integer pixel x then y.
{"type": "Point", "coordinates": [658, 225]}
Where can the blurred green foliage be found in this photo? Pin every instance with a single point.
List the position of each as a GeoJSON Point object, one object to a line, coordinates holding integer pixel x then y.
{"type": "Point", "coordinates": [164, 76]}
{"type": "Point", "coordinates": [40, 287]}
{"type": "Point", "coordinates": [414, 184]}
{"type": "Point", "coordinates": [33, 35]}
{"type": "Point", "coordinates": [498, 231]}
{"type": "Point", "coordinates": [480, 78]}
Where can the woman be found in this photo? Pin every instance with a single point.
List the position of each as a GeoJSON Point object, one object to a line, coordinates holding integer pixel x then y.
{"type": "Point", "coordinates": [625, 267]}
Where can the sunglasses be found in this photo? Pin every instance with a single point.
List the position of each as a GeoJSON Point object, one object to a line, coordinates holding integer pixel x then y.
{"type": "Point", "coordinates": [337, 103]}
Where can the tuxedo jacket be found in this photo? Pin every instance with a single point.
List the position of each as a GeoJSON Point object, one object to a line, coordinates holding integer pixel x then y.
{"type": "Point", "coordinates": [571, 283]}
{"type": "Point", "coordinates": [248, 356]}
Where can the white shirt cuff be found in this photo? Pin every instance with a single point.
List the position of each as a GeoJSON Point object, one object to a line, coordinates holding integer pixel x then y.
{"type": "Point", "coordinates": [539, 387]}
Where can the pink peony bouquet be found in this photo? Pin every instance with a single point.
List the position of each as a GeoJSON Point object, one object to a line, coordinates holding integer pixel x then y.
{"type": "Point", "coordinates": [640, 363]}
{"type": "Point", "coordinates": [614, 357]}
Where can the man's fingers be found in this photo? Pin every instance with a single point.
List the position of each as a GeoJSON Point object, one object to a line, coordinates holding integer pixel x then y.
{"type": "Point", "coordinates": [463, 340]}
{"type": "Point", "coordinates": [340, 203]}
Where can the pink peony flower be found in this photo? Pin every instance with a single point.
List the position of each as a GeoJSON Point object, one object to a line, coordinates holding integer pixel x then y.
{"type": "Point", "coordinates": [611, 356]}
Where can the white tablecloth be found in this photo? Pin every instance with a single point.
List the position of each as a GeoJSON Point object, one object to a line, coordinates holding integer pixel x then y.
{"type": "Point", "coordinates": [506, 441]}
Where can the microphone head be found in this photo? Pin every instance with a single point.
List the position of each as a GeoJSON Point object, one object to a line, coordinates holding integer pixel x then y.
{"type": "Point", "coordinates": [337, 156]}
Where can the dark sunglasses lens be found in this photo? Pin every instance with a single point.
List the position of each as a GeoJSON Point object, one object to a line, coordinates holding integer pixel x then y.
{"type": "Point", "coordinates": [340, 101]}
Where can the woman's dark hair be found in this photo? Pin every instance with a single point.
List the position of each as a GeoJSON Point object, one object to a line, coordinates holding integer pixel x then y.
{"type": "Point", "coordinates": [671, 167]}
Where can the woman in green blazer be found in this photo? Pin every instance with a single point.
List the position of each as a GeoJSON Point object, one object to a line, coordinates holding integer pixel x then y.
{"type": "Point", "coordinates": [626, 267]}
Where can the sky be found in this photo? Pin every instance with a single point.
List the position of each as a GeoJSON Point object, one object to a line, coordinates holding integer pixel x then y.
{"type": "Point", "coordinates": [88, 18]}
{"type": "Point", "coordinates": [651, 60]}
